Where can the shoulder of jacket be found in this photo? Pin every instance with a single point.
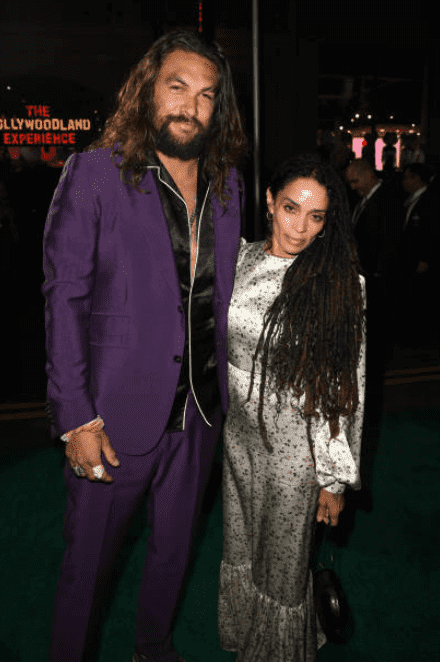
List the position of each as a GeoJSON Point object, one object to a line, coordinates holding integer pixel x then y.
{"type": "Point", "coordinates": [96, 161]}
{"type": "Point", "coordinates": [97, 168]}
{"type": "Point", "coordinates": [93, 160]}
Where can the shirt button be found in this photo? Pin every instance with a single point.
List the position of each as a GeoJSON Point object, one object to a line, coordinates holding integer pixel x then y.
{"type": "Point", "coordinates": [178, 359]}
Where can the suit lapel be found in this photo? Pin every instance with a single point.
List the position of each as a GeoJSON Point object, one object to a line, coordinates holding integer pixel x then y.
{"type": "Point", "coordinates": [153, 224]}
{"type": "Point", "coordinates": [150, 217]}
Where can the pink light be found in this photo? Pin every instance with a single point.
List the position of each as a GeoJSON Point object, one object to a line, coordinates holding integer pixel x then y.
{"type": "Point", "coordinates": [357, 149]}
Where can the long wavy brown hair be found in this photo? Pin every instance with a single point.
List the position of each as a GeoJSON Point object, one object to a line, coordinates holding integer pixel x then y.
{"type": "Point", "coordinates": [130, 132]}
{"type": "Point", "coordinates": [312, 333]}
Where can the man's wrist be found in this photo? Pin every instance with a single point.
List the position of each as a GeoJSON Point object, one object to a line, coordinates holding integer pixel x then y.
{"type": "Point", "coordinates": [94, 426]}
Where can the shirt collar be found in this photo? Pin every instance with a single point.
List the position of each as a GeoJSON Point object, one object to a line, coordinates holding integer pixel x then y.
{"type": "Point", "coordinates": [415, 196]}
{"type": "Point", "coordinates": [372, 192]}
{"type": "Point", "coordinates": [153, 161]}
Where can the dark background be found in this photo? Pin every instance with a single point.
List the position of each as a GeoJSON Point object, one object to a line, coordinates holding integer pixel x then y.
{"type": "Point", "coordinates": [75, 56]}
{"type": "Point", "coordinates": [320, 61]}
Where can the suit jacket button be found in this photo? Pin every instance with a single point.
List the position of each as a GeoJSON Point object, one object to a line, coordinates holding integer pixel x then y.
{"type": "Point", "coordinates": [178, 359]}
{"type": "Point", "coordinates": [180, 309]}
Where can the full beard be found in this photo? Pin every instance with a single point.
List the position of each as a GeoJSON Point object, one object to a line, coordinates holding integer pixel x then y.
{"type": "Point", "coordinates": [167, 144]}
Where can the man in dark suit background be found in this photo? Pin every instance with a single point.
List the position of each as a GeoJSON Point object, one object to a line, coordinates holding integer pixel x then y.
{"type": "Point", "coordinates": [419, 259]}
{"type": "Point", "coordinates": [377, 224]}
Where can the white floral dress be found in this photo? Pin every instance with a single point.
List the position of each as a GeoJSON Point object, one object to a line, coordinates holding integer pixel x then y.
{"type": "Point", "coordinates": [266, 611]}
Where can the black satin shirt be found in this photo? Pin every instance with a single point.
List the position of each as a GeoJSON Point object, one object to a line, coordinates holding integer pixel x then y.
{"type": "Point", "coordinates": [198, 363]}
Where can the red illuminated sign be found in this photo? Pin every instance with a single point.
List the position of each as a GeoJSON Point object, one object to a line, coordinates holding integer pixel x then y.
{"type": "Point", "coordinates": [39, 128]}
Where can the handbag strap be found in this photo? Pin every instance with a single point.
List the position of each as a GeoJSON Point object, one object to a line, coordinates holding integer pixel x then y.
{"type": "Point", "coordinates": [326, 549]}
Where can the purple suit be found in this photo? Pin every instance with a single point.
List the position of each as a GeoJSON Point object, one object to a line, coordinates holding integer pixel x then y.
{"type": "Point", "coordinates": [112, 295]}
{"type": "Point", "coordinates": [114, 326]}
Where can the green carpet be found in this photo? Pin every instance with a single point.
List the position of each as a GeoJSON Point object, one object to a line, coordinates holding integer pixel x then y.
{"type": "Point", "coordinates": [387, 556]}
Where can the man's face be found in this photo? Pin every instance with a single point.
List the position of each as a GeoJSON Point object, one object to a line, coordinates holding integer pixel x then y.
{"type": "Point", "coordinates": [184, 99]}
{"type": "Point", "coordinates": [361, 182]}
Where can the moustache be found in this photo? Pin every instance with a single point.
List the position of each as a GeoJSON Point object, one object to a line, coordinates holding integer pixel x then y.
{"type": "Point", "coordinates": [182, 119]}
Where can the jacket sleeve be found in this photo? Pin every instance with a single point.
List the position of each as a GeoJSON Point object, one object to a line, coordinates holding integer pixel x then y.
{"type": "Point", "coordinates": [242, 196]}
{"type": "Point", "coordinates": [69, 246]}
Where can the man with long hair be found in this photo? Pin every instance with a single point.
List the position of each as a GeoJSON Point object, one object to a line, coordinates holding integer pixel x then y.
{"type": "Point", "coordinates": [139, 255]}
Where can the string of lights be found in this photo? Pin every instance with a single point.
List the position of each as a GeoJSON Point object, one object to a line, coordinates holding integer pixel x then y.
{"type": "Point", "coordinates": [200, 17]}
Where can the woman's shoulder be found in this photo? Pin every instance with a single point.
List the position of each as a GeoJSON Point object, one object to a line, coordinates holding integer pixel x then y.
{"type": "Point", "coordinates": [248, 248]}
{"type": "Point", "coordinates": [253, 246]}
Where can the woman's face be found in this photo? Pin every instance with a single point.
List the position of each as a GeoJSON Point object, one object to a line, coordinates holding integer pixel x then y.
{"type": "Point", "coordinates": [298, 211]}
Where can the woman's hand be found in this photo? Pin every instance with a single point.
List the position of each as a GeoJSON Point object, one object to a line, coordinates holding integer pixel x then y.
{"type": "Point", "coordinates": [329, 506]}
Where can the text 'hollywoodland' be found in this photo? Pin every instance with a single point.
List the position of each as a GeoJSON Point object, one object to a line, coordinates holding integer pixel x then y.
{"type": "Point", "coordinates": [39, 128]}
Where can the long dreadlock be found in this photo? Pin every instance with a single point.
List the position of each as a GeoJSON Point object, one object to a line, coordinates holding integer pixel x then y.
{"type": "Point", "coordinates": [312, 333]}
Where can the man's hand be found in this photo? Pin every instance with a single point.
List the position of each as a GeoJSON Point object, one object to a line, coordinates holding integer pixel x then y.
{"type": "Point", "coordinates": [329, 506]}
{"type": "Point", "coordinates": [84, 450]}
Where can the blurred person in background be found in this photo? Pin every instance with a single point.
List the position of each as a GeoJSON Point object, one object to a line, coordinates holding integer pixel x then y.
{"type": "Point", "coordinates": [9, 267]}
{"type": "Point", "coordinates": [377, 221]}
{"type": "Point", "coordinates": [419, 255]}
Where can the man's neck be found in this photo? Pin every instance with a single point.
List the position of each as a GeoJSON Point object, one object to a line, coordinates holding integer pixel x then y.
{"type": "Point", "coordinates": [180, 171]}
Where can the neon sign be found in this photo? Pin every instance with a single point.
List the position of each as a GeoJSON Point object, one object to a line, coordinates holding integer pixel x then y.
{"type": "Point", "coordinates": [39, 128]}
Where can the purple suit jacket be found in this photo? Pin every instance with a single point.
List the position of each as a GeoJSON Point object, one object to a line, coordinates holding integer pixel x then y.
{"type": "Point", "coordinates": [113, 325]}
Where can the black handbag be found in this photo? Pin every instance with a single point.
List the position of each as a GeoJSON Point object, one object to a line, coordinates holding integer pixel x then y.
{"type": "Point", "coordinates": [330, 601]}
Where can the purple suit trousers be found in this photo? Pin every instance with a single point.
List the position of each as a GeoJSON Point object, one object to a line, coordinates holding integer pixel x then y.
{"type": "Point", "coordinates": [175, 475]}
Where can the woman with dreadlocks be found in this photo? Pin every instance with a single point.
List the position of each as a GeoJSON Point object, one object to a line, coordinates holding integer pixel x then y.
{"type": "Point", "coordinates": [296, 388]}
